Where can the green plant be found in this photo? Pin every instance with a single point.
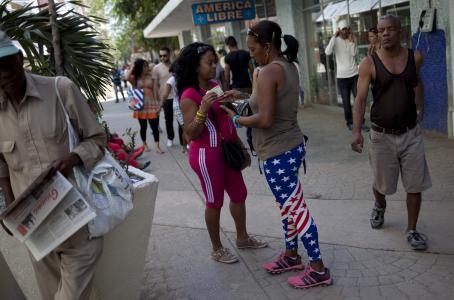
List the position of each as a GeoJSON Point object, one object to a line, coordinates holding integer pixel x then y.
{"type": "Point", "coordinates": [128, 147]}
{"type": "Point", "coordinates": [86, 58]}
{"type": "Point", "coordinates": [131, 143]}
{"type": "Point", "coordinates": [105, 126]}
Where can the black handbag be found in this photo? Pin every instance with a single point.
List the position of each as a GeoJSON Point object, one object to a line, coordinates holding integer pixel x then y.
{"type": "Point", "coordinates": [235, 154]}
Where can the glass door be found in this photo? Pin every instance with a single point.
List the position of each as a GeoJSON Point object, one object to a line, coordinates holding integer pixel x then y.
{"type": "Point", "coordinates": [321, 66]}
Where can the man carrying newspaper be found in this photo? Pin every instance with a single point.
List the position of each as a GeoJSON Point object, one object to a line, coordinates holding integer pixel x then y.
{"type": "Point", "coordinates": [34, 136]}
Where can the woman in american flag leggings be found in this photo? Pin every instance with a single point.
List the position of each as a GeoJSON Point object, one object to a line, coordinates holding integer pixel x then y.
{"type": "Point", "coordinates": [279, 142]}
{"type": "Point", "coordinates": [281, 173]}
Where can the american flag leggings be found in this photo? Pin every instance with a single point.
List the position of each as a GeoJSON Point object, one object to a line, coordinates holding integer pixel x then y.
{"type": "Point", "coordinates": [281, 173]}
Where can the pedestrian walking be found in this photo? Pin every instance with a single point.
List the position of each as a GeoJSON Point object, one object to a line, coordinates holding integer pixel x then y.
{"type": "Point", "coordinates": [171, 87]}
{"type": "Point", "coordinates": [34, 137]}
{"type": "Point", "coordinates": [343, 45]}
{"type": "Point", "coordinates": [238, 62]}
{"type": "Point", "coordinates": [374, 41]}
{"type": "Point", "coordinates": [279, 142]}
{"type": "Point", "coordinates": [221, 54]}
{"type": "Point", "coordinates": [140, 78]}
{"type": "Point", "coordinates": [396, 138]}
{"type": "Point", "coordinates": [205, 123]}
{"type": "Point", "coordinates": [124, 73]}
{"type": "Point", "coordinates": [220, 75]}
{"type": "Point", "coordinates": [160, 75]}
{"type": "Point", "coordinates": [116, 79]}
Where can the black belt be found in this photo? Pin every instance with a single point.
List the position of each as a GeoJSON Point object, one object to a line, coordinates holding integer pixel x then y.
{"type": "Point", "coordinates": [391, 130]}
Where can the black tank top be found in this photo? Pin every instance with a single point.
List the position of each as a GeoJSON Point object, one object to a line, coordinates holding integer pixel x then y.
{"type": "Point", "coordinates": [394, 104]}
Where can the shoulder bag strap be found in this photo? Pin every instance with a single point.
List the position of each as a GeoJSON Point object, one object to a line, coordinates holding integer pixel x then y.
{"type": "Point", "coordinates": [73, 137]}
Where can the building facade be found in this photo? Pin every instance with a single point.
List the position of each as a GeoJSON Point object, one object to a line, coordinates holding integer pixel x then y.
{"type": "Point", "coordinates": [313, 22]}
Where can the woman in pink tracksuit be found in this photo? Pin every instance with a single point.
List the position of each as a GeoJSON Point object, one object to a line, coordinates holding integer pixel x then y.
{"type": "Point", "coordinates": [205, 124]}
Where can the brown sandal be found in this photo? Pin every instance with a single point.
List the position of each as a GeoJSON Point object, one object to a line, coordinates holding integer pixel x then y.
{"type": "Point", "coordinates": [251, 243]}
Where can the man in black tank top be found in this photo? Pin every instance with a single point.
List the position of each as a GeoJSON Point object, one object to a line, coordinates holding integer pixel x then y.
{"type": "Point", "coordinates": [396, 142]}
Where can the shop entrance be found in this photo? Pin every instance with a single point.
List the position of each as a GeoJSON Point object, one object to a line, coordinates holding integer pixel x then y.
{"type": "Point", "coordinates": [321, 18]}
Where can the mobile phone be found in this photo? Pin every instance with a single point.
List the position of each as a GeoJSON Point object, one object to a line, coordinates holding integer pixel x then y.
{"type": "Point", "coordinates": [229, 105]}
{"type": "Point", "coordinates": [243, 108]}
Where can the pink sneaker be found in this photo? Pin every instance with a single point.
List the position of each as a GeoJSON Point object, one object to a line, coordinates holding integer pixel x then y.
{"type": "Point", "coordinates": [284, 264]}
{"type": "Point", "coordinates": [310, 278]}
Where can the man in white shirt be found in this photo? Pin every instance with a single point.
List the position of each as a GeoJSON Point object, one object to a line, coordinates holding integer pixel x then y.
{"type": "Point", "coordinates": [343, 45]}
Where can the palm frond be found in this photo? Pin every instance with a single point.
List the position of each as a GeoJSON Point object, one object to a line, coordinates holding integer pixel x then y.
{"type": "Point", "coordinates": [86, 58]}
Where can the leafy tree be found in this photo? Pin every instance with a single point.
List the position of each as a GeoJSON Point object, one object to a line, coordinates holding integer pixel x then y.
{"type": "Point", "coordinates": [86, 59]}
{"type": "Point", "coordinates": [133, 16]}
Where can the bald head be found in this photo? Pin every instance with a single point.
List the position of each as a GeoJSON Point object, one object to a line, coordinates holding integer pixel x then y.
{"type": "Point", "coordinates": [395, 20]}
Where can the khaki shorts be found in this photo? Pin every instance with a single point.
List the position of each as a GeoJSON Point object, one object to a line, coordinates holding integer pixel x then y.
{"type": "Point", "coordinates": [390, 154]}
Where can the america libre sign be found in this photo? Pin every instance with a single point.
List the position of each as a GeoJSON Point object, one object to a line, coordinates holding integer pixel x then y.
{"type": "Point", "coordinates": [222, 11]}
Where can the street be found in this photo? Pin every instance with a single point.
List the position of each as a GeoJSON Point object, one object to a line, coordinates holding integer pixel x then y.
{"type": "Point", "coordinates": [365, 263]}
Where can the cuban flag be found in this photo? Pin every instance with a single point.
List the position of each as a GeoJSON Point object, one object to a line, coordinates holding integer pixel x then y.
{"type": "Point", "coordinates": [135, 97]}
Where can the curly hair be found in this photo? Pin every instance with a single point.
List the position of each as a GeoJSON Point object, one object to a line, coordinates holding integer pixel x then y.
{"type": "Point", "coordinates": [185, 68]}
{"type": "Point", "coordinates": [137, 70]}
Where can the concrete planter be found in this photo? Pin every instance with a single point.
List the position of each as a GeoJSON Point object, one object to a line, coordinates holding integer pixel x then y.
{"type": "Point", "coordinates": [9, 289]}
{"type": "Point", "coordinates": [119, 273]}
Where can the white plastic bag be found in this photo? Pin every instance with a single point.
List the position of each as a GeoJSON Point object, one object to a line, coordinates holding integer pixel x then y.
{"type": "Point", "coordinates": [107, 186]}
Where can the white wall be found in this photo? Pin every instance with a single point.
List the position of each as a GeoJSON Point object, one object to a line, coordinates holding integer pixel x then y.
{"type": "Point", "coordinates": [290, 18]}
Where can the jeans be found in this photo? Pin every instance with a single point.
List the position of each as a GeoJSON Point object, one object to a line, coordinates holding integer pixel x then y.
{"type": "Point", "coordinates": [346, 87]}
{"type": "Point", "coordinates": [118, 88]}
{"type": "Point", "coordinates": [168, 114]}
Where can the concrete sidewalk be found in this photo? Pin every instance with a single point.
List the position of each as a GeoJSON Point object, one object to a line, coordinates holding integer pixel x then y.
{"type": "Point", "coordinates": [365, 263]}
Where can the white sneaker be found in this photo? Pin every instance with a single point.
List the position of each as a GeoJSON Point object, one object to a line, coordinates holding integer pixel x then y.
{"type": "Point", "coordinates": [169, 143]}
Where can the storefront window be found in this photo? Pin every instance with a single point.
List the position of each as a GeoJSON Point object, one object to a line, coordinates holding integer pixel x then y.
{"type": "Point", "coordinates": [320, 21]}
{"type": "Point", "coordinates": [265, 8]}
{"type": "Point", "coordinates": [321, 66]}
{"type": "Point", "coordinates": [403, 12]}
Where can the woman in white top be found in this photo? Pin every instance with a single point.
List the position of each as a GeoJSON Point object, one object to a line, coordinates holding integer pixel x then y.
{"type": "Point", "coordinates": [171, 85]}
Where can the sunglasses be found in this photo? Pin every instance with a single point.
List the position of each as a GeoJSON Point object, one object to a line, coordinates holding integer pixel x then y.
{"type": "Point", "coordinates": [252, 33]}
{"type": "Point", "coordinates": [202, 49]}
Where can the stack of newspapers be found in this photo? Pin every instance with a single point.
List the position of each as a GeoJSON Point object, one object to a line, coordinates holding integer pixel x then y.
{"type": "Point", "coordinates": [46, 214]}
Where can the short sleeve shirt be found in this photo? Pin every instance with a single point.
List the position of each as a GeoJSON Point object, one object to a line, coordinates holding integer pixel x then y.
{"type": "Point", "coordinates": [239, 65]}
{"type": "Point", "coordinates": [161, 74]}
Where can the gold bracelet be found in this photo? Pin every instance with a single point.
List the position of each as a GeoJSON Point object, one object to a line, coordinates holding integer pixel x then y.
{"type": "Point", "coordinates": [199, 120]}
{"type": "Point", "coordinates": [201, 114]}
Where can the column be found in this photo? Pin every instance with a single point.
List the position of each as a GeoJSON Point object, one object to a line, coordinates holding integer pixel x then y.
{"type": "Point", "coordinates": [184, 38]}
{"type": "Point", "coordinates": [439, 102]}
{"type": "Point", "coordinates": [203, 33]}
{"type": "Point", "coordinates": [290, 18]}
{"type": "Point", "coordinates": [234, 29]}
{"type": "Point", "coordinates": [450, 59]}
